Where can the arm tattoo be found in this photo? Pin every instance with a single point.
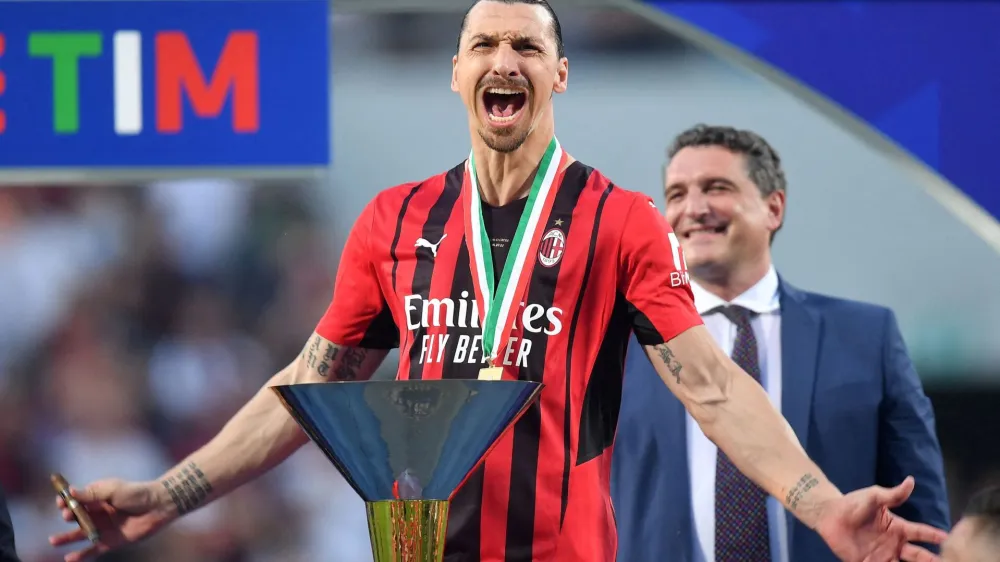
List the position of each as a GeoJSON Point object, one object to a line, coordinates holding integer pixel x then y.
{"type": "Point", "coordinates": [799, 490]}
{"type": "Point", "coordinates": [328, 358]}
{"type": "Point", "coordinates": [350, 363]}
{"type": "Point", "coordinates": [311, 353]}
{"type": "Point", "coordinates": [671, 362]}
{"type": "Point", "coordinates": [188, 488]}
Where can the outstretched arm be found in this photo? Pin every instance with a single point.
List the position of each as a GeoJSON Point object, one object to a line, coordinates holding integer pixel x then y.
{"type": "Point", "coordinates": [349, 343]}
{"type": "Point", "coordinates": [735, 413]}
{"type": "Point", "coordinates": [262, 433]}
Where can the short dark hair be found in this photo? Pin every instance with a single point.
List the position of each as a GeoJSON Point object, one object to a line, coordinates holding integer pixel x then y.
{"type": "Point", "coordinates": [556, 27]}
{"type": "Point", "coordinates": [984, 507]}
{"type": "Point", "coordinates": [762, 161]}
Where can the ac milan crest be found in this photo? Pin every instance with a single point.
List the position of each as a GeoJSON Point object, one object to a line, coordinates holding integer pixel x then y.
{"type": "Point", "coordinates": [551, 248]}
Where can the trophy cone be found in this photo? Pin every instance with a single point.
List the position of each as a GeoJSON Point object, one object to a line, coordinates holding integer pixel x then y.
{"type": "Point", "coordinates": [406, 447]}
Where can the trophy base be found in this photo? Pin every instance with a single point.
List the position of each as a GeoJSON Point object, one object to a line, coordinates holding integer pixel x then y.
{"type": "Point", "coordinates": [407, 530]}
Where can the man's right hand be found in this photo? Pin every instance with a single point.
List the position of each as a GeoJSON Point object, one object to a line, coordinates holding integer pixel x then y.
{"type": "Point", "coordinates": [123, 512]}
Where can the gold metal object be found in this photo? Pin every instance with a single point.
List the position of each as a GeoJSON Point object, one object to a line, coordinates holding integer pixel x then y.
{"type": "Point", "coordinates": [407, 530]}
{"type": "Point", "coordinates": [491, 373]}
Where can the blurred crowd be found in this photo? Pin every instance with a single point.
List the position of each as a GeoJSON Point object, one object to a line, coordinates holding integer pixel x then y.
{"type": "Point", "coordinates": [134, 321]}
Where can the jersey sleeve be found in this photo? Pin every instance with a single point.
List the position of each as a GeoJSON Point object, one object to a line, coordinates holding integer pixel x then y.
{"type": "Point", "coordinates": [358, 314]}
{"type": "Point", "coordinates": [653, 276]}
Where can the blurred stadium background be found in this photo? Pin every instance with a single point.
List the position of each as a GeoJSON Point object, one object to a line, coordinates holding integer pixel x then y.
{"type": "Point", "coordinates": [136, 318]}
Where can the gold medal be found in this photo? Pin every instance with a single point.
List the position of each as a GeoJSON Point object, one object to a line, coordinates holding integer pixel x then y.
{"type": "Point", "coordinates": [491, 373]}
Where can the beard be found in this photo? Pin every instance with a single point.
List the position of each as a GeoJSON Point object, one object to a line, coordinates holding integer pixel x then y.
{"type": "Point", "coordinates": [505, 142]}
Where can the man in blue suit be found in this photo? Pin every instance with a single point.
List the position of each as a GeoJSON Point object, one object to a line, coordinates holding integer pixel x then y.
{"type": "Point", "coordinates": [838, 370]}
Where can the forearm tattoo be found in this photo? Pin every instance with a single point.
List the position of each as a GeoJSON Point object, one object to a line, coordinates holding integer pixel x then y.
{"type": "Point", "coordinates": [799, 490]}
{"type": "Point", "coordinates": [670, 361]}
{"type": "Point", "coordinates": [188, 488]}
{"type": "Point", "coordinates": [344, 362]}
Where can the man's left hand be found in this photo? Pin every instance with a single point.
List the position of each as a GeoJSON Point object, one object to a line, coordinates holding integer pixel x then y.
{"type": "Point", "coordinates": [860, 528]}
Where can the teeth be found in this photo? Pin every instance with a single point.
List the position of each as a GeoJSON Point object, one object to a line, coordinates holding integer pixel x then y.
{"type": "Point", "coordinates": [503, 91]}
{"type": "Point", "coordinates": [497, 119]}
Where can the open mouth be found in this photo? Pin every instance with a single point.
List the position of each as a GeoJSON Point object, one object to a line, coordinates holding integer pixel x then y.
{"type": "Point", "coordinates": [503, 105]}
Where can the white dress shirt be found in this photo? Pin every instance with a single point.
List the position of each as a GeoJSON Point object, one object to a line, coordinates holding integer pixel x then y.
{"type": "Point", "coordinates": [762, 299]}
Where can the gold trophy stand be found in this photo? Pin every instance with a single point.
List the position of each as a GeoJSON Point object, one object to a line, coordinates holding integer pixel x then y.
{"type": "Point", "coordinates": [407, 530]}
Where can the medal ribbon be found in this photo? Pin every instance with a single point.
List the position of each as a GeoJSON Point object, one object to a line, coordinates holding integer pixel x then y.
{"type": "Point", "coordinates": [498, 307]}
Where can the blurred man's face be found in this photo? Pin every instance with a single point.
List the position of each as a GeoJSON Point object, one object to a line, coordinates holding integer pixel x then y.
{"type": "Point", "coordinates": [718, 213]}
{"type": "Point", "coordinates": [506, 71]}
{"type": "Point", "coordinates": [966, 544]}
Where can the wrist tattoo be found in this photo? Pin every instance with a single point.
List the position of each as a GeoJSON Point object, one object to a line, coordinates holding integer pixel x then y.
{"type": "Point", "coordinates": [671, 362]}
{"type": "Point", "coordinates": [799, 490]}
{"type": "Point", "coordinates": [188, 488]}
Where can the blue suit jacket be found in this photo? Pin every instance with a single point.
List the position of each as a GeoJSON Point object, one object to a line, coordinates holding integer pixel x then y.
{"type": "Point", "coordinates": [850, 393]}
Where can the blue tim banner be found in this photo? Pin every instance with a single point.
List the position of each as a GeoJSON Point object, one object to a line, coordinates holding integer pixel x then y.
{"type": "Point", "coordinates": [161, 84]}
{"type": "Point", "coordinates": [925, 74]}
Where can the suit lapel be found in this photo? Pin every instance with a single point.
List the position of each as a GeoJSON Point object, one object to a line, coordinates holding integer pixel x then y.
{"type": "Point", "coordinates": [800, 333]}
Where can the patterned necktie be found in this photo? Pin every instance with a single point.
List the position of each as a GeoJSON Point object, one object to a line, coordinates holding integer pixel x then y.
{"type": "Point", "coordinates": [741, 533]}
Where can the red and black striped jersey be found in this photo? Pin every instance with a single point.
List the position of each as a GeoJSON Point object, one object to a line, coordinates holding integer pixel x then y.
{"type": "Point", "coordinates": [607, 265]}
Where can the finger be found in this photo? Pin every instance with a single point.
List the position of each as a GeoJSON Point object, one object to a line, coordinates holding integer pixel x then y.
{"type": "Point", "coordinates": [896, 496]}
{"type": "Point", "coordinates": [67, 515]}
{"type": "Point", "coordinates": [913, 553]}
{"type": "Point", "coordinates": [919, 532]}
{"type": "Point", "coordinates": [86, 554]}
{"type": "Point", "coordinates": [68, 537]}
{"type": "Point", "coordinates": [94, 493]}
{"type": "Point", "coordinates": [87, 495]}
{"type": "Point", "coordinates": [60, 502]}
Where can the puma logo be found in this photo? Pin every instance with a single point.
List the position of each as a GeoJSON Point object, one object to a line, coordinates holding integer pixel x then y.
{"type": "Point", "coordinates": [424, 243]}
